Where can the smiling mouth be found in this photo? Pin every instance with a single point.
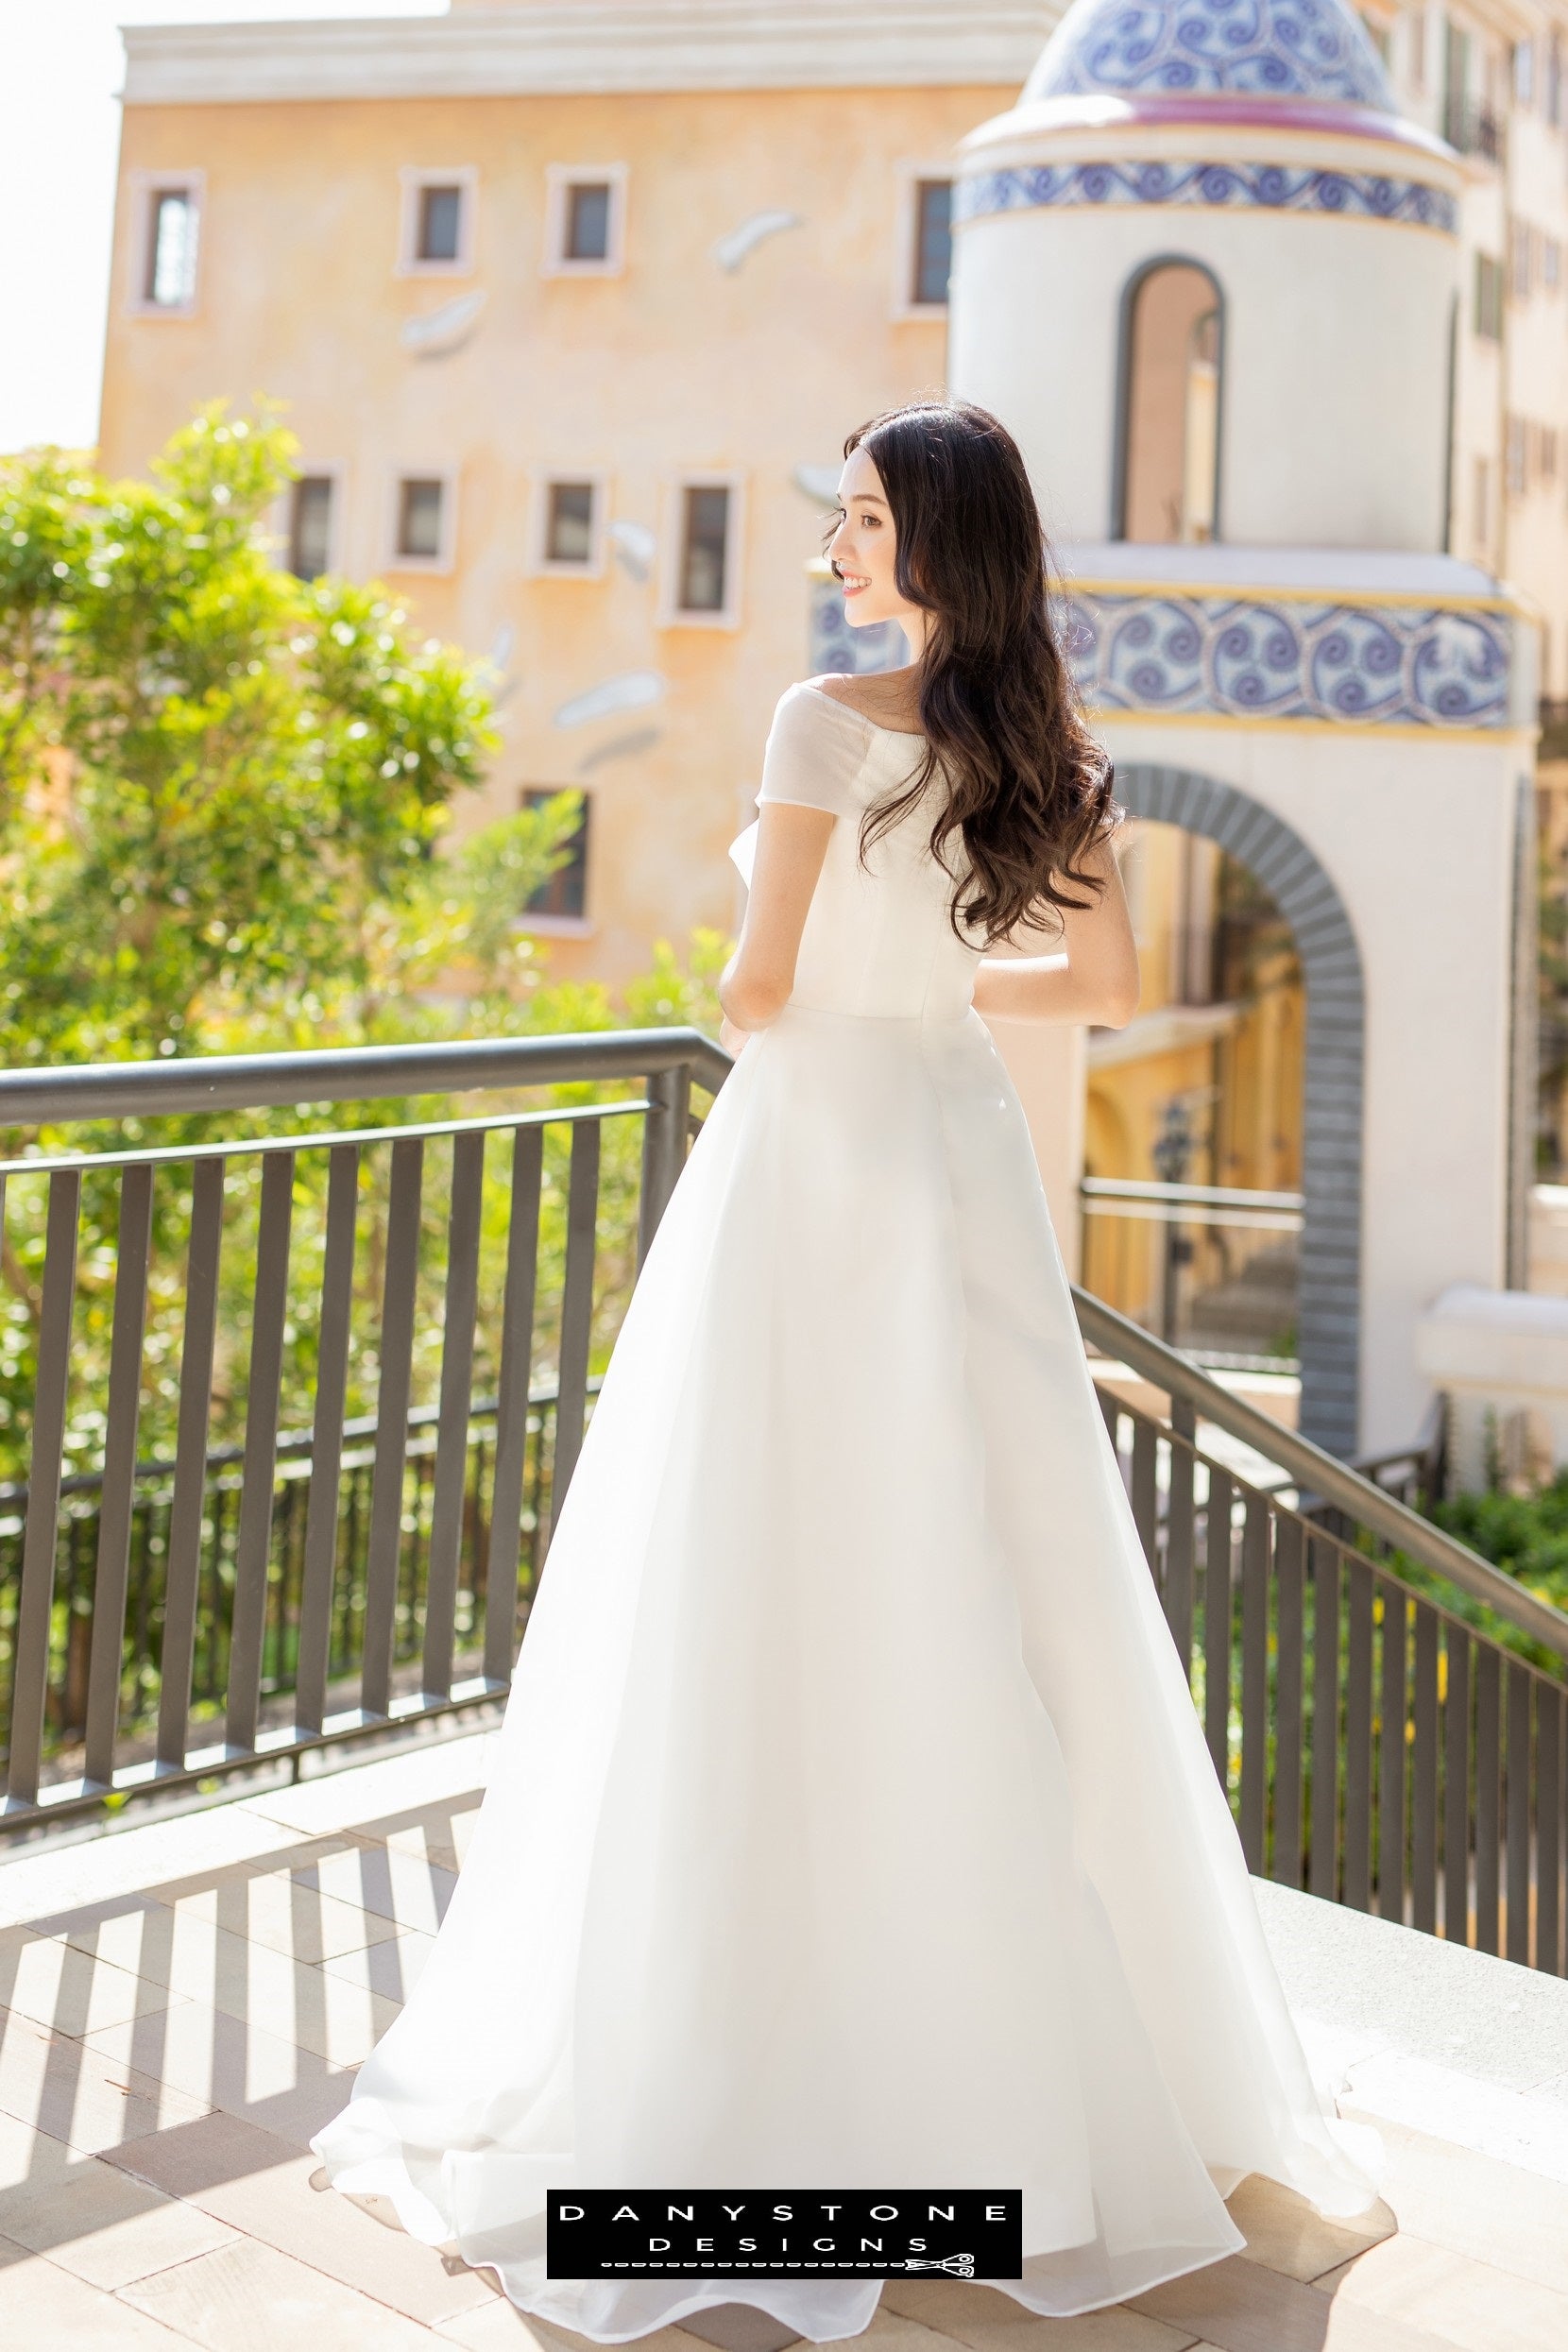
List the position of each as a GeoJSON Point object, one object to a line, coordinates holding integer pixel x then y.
{"type": "Point", "coordinates": [852, 582]}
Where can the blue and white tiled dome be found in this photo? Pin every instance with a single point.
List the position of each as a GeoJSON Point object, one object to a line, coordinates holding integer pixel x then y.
{"type": "Point", "coordinates": [1291, 49]}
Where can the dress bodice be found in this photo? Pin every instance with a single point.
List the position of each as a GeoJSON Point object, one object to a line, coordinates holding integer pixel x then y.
{"type": "Point", "coordinates": [877, 940]}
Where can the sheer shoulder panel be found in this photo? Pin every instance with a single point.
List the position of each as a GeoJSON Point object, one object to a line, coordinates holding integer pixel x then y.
{"type": "Point", "coordinates": [815, 751]}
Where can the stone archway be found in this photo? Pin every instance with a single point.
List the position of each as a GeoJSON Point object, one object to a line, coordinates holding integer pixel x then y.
{"type": "Point", "coordinates": [1330, 1303]}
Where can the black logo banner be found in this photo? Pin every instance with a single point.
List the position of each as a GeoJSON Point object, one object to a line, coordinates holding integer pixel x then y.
{"type": "Point", "coordinates": [758, 2233]}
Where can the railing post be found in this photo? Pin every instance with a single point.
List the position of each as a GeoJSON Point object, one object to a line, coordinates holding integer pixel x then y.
{"type": "Point", "coordinates": [663, 1148]}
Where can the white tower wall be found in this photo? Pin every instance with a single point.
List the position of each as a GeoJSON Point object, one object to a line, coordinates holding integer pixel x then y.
{"type": "Point", "coordinates": [1335, 364]}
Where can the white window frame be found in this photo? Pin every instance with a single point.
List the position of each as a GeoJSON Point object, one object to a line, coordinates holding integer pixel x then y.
{"type": "Point", "coordinates": [906, 230]}
{"type": "Point", "coordinates": [141, 186]}
{"type": "Point", "coordinates": [583, 926]}
{"type": "Point", "coordinates": [670, 614]}
{"type": "Point", "coordinates": [445, 560]}
{"type": "Point", "coordinates": [412, 179]}
{"type": "Point", "coordinates": [281, 516]}
{"type": "Point", "coordinates": [541, 564]}
{"type": "Point", "coordinates": [559, 180]}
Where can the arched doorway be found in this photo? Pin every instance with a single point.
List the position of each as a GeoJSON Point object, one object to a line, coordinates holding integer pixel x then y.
{"type": "Point", "coordinates": [1329, 1320]}
{"type": "Point", "coordinates": [1170, 369]}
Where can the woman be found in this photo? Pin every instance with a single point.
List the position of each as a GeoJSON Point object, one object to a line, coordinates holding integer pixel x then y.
{"type": "Point", "coordinates": [851, 1825]}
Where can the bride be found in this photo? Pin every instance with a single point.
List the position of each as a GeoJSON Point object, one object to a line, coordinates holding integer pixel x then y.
{"type": "Point", "coordinates": [851, 1823]}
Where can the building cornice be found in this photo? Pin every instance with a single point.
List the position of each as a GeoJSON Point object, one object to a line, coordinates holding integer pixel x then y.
{"type": "Point", "coordinates": [593, 47]}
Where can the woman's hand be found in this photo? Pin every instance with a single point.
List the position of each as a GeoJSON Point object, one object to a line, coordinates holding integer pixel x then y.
{"type": "Point", "coordinates": [731, 1037]}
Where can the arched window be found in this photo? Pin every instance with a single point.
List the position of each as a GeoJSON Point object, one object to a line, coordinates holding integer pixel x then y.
{"type": "Point", "coordinates": [1171, 355]}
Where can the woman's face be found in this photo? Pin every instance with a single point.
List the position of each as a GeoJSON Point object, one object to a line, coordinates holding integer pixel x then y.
{"type": "Point", "coordinates": [862, 549]}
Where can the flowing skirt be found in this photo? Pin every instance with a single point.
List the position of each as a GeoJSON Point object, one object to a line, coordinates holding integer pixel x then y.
{"type": "Point", "coordinates": [850, 1824]}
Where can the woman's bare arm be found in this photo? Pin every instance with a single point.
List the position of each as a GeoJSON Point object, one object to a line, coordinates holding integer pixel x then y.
{"type": "Point", "coordinates": [754, 984]}
{"type": "Point", "coordinates": [1092, 977]}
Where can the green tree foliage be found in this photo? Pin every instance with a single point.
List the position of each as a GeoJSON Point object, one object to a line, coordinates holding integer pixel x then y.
{"type": "Point", "coordinates": [218, 779]}
{"type": "Point", "coordinates": [222, 794]}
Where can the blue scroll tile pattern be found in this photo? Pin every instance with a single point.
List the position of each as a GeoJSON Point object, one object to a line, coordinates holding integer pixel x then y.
{"type": "Point", "coordinates": [1270, 187]}
{"type": "Point", "coordinates": [1401, 665]}
{"type": "Point", "coordinates": [1263, 48]}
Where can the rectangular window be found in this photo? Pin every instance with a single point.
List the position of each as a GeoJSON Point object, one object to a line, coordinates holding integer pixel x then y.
{"type": "Point", "coordinates": [566, 891]}
{"type": "Point", "coordinates": [421, 518]}
{"type": "Point", "coordinates": [439, 235]}
{"type": "Point", "coordinates": [1417, 50]}
{"type": "Point", "coordinates": [704, 548]}
{"type": "Point", "coordinates": [168, 280]}
{"type": "Point", "coordinates": [568, 523]}
{"type": "Point", "coordinates": [439, 208]}
{"type": "Point", "coordinates": [1483, 504]}
{"type": "Point", "coordinates": [587, 221]}
{"type": "Point", "coordinates": [1488, 298]}
{"type": "Point", "coordinates": [310, 536]}
{"type": "Point", "coordinates": [1517, 475]}
{"type": "Point", "coordinates": [1519, 258]}
{"type": "Point", "coordinates": [1523, 72]}
{"type": "Point", "coordinates": [934, 240]}
{"type": "Point", "coordinates": [584, 222]}
{"type": "Point", "coordinates": [1551, 265]}
{"type": "Point", "coordinates": [1547, 446]}
{"type": "Point", "coordinates": [1554, 79]}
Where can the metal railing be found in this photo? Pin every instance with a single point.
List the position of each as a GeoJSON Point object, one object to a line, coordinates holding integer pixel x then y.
{"type": "Point", "coordinates": [1385, 1710]}
{"type": "Point", "coordinates": [262, 1603]}
{"type": "Point", "coordinates": [1214, 1268]}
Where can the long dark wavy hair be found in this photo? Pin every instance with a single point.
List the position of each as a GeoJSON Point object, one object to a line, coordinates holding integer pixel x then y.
{"type": "Point", "coordinates": [1028, 789]}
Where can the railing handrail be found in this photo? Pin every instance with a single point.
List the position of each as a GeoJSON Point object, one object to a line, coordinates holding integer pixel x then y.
{"type": "Point", "coordinates": [1315, 1471]}
{"type": "Point", "coordinates": [1202, 1196]}
{"type": "Point", "coordinates": [251, 1082]}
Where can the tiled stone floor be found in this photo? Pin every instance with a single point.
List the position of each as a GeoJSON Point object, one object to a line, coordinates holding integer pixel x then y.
{"type": "Point", "coordinates": [183, 2003]}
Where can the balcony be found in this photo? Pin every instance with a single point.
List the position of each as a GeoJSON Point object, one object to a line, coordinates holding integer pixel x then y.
{"type": "Point", "coordinates": [1472, 127]}
{"type": "Point", "coordinates": [303, 1404]}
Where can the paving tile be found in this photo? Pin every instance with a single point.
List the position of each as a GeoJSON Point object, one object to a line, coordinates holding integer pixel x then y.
{"type": "Point", "coordinates": [29, 2158]}
{"type": "Point", "coordinates": [57, 1984]}
{"type": "Point", "coordinates": [247, 2297]}
{"type": "Point", "coordinates": [993, 2321]}
{"type": "Point", "coordinates": [1460, 2301]}
{"type": "Point", "coordinates": [500, 2327]}
{"type": "Point", "coordinates": [90, 2098]}
{"type": "Point", "coordinates": [41, 2304]}
{"type": "Point", "coordinates": [399, 1887]}
{"type": "Point", "coordinates": [224, 2061]}
{"type": "Point", "coordinates": [1243, 2307]}
{"type": "Point", "coordinates": [101, 2225]}
{"type": "Point", "coordinates": [34, 1887]}
{"type": "Point", "coordinates": [1285, 2233]}
{"type": "Point", "coordinates": [391, 1968]}
{"type": "Point", "coordinates": [280, 2204]}
{"type": "Point", "coordinates": [340, 2019]}
{"type": "Point", "coordinates": [196, 2156]}
{"type": "Point", "coordinates": [443, 1836]}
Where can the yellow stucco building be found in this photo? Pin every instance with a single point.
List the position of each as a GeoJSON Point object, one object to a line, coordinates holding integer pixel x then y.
{"type": "Point", "coordinates": [572, 308]}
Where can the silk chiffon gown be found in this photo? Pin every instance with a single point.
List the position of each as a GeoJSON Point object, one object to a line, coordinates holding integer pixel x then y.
{"type": "Point", "coordinates": [850, 1824]}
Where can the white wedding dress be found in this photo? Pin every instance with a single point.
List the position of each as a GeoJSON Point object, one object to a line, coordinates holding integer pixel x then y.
{"type": "Point", "coordinates": [851, 1825]}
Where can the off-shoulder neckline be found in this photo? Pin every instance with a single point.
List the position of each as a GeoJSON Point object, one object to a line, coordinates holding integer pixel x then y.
{"type": "Point", "coordinates": [902, 734]}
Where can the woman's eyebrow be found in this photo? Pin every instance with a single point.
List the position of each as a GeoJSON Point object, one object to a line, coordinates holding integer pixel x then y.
{"type": "Point", "coordinates": [863, 498]}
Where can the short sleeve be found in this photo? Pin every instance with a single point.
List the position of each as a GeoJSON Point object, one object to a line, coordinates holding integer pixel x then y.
{"type": "Point", "coordinates": [815, 751]}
